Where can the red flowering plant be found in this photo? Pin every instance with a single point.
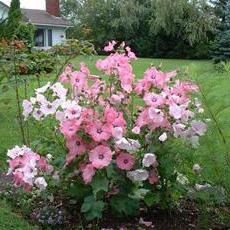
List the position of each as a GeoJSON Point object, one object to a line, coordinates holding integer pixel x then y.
{"type": "Point", "coordinates": [117, 134]}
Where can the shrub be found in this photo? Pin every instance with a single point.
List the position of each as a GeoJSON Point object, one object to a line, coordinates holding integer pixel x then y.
{"type": "Point", "coordinates": [118, 135]}
{"type": "Point", "coordinates": [73, 47]}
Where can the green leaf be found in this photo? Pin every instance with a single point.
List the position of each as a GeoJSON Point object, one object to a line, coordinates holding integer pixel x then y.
{"type": "Point", "coordinates": [152, 198]}
{"type": "Point", "coordinates": [124, 205]}
{"type": "Point", "coordinates": [78, 190]}
{"type": "Point", "coordinates": [99, 183]}
{"type": "Point", "coordinates": [91, 208]}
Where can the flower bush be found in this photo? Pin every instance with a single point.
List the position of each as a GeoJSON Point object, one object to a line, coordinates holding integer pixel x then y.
{"type": "Point", "coordinates": [116, 134]}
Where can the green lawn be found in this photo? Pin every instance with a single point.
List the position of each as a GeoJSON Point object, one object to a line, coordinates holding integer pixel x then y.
{"type": "Point", "coordinates": [212, 153]}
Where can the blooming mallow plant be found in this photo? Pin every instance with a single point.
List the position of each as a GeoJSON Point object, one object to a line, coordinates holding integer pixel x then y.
{"type": "Point", "coordinates": [115, 131]}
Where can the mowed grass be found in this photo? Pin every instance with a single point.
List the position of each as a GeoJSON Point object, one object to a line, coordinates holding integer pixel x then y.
{"type": "Point", "coordinates": [215, 86]}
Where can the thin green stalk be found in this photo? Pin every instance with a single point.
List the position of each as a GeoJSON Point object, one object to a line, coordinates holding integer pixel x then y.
{"type": "Point", "coordinates": [18, 100]}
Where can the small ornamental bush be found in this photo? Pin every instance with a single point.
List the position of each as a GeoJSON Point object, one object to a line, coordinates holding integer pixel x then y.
{"type": "Point", "coordinates": [116, 134]}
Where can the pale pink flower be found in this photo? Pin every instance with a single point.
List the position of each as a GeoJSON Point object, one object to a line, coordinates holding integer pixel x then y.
{"type": "Point", "coordinates": [100, 156]}
{"type": "Point", "coordinates": [125, 161]}
{"type": "Point", "coordinates": [27, 108]}
{"type": "Point", "coordinates": [149, 160]}
{"type": "Point", "coordinates": [41, 183]}
{"type": "Point", "coordinates": [129, 145]}
{"type": "Point", "coordinates": [199, 127]}
{"type": "Point", "coordinates": [117, 132]}
{"type": "Point", "coordinates": [49, 108]}
{"type": "Point", "coordinates": [138, 175]}
{"type": "Point", "coordinates": [72, 109]}
{"type": "Point", "coordinates": [116, 99]}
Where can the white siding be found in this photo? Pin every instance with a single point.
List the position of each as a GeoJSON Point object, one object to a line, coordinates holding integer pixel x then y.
{"type": "Point", "coordinates": [58, 35]}
{"type": "Point", "coordinates": [3, 12]}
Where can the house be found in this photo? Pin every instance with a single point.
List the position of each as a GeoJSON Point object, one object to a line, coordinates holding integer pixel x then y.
{"type": "Point", "coordinates": [50, 26]}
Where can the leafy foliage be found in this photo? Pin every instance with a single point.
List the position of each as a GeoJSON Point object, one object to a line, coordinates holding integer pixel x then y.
{"type": "Point", "coordinates": [91, 208]}
{"type": "Point", "coordinates": [152, 28]}
{"type": "Point", "coordinates": [222, 44]}
{"type": "Point", "coordinates": [14, 19]}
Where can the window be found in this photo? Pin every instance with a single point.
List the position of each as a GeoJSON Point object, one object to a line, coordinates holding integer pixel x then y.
{"type": "Point", "coordinates": [39, 38]}
{"type": "Point", "coordinates": [50, 38]}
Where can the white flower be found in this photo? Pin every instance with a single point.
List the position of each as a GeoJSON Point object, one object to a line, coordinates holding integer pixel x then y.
{"type": "Point", "coordinates": [163, 137]}
{"type": "Point", "coordinates": [138, 175]}
{"type": "Point", "coordinates": [40, 182]}
{"type": "Point", "coordinates": [43, 89]}
{"type": "Point", "coordinates": [17, 151]}
{"type": "Point", "coordinates": [59, 90]}
{"type": "Point", "coordinates": [149, 159]}
{"type": "Point", "coordinates": [182, 179]}
{"type": "Point", "coordinates": [49, 157]}
{"type": "Point", "coordinates": [128, 144]}
{"type": "Point", "coordinates": [37, 114]}
{"type": "Point", "coordinates": [200, 187]}
{"type": "Point", "coordinates": [196, 168]}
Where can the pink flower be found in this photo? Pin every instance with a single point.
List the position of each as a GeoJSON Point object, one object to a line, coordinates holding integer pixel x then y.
{"type": "Point", "coordinates": [65, 76]}
{"type": "Point", "coordinates": [142, 86]}
{"type": "Point", "coordinates": [116, 99]}
{"type": "Point", "coordinates": [88, 171]}
{"type": "Point", "coordinates": [100, 156]}
{"type": "Point", "coordinates": [76, 147]}
{"type": "Point", "coordinates": [110, 115]}
{"type": "Point", "coordinates": [130, 54]}
{"type": "Point", "coordinates": [99, 131]}
{"type": "Point", "coordinates": [84, 69]}
{"type": "Point", "coordinates": [110, 46]}
{"type": "Point", "coordinates": [125, 161]}
{"type": "Point", "coordinates": [153, 99]}
{"type": "Point", "coordinates": [78, 80]}
{"type": "Point", "coordinates": [69, 127]}
{"type": "Point", "coordinates": [153, 177]}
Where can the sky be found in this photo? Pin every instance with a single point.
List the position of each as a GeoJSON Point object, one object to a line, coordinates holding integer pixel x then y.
{"type": "Point", "coordinates": [30, 4]}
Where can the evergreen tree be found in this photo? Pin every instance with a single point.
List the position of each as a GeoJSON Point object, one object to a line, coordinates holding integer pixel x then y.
{"type": "Point", "coordinates": [222, 45]}
{"type": "Point", "coordinates": [14, 19]}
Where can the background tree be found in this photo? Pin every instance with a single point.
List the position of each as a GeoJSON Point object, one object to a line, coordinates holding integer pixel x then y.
{"type": "Point", "coordinates": [154, 28]}
{"type": "Point", "coordinates": [14, 19]}
{"type": "Point", "coordinates": [222, 44]}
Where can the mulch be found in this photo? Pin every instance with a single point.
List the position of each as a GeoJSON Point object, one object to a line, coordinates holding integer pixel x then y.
{"type": "Point", "coordinates": [185, 217]}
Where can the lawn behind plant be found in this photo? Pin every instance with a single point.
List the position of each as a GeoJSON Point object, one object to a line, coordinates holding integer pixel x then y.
{"type": "Point", "coordinates": [213, 153]}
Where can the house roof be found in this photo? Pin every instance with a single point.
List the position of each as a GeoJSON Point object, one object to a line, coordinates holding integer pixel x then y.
{"type": "Point", "coordinates": [41, 17]}
{"type": "Point", "coordinates": [3, 4]}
